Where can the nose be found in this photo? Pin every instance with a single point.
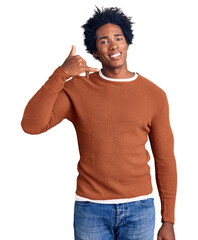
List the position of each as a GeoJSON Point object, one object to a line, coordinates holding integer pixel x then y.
{"type": "Point", "coordinates": [114, 45]}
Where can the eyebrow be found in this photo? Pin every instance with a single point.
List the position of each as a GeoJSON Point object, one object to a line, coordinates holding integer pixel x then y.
{"type": "Point", "coordinates": [116, 35]}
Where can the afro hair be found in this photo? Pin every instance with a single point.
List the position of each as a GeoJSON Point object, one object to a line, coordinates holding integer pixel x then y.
{"type": "Point", "coordinates": [112, 15]}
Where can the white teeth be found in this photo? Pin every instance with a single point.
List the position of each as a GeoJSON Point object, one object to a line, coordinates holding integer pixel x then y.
{"type": "Point", "coordinates": [115, 55]}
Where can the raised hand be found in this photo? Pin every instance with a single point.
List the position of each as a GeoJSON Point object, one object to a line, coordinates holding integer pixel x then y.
{"type": "Point", "coordinates": [75, 65]}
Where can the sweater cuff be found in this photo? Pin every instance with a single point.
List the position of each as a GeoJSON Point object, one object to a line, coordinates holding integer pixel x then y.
{"type": "Point", "coordinates": [64, 72]}
{"type": "Point", "coordinates": [56, 81]}
{"type": "Point", "coordinates": [168, 210]}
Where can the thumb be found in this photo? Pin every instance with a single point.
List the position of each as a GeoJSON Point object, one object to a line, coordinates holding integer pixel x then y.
{"type": "Point", "coordinates": [73, 51]}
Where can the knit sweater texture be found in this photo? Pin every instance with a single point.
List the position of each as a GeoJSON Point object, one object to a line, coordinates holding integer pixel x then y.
{"type": "Point", "coordinates": [113, 121]}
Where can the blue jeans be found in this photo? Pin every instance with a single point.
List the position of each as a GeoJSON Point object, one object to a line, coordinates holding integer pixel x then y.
{"type": "Point", "coordinates": [124, 221]}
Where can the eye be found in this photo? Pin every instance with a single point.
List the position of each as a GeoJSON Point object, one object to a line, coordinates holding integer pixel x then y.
{"type": "Point", "coordinates": [104, 42]}
{"type": "Point", "coordinates": [119, 39]}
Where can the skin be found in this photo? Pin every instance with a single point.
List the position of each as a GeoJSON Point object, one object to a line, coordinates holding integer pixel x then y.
{"type": "Point", "coordinates": [75, 65]}
{"type": "Point", "coordinates": [110, 40]}
{"type": "Point", "coordinates": [166, 232]}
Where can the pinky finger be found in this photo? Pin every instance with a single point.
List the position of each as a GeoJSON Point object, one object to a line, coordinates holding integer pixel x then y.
{"type": "Point", "coordinates": [87, 74]}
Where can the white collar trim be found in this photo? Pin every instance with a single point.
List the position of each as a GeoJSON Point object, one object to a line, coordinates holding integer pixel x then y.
{"type": "Point", "coordinates": [118, 79]}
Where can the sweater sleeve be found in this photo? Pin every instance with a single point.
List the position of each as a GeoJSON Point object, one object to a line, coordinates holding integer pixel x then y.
{"type": "Point", "coordinates": [49, 106]}
{"type": "Point", "coordinates": [162, 145]}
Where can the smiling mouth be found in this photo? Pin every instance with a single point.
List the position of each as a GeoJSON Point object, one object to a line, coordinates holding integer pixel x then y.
{"type": "Point", "coordinates": [115, 56]}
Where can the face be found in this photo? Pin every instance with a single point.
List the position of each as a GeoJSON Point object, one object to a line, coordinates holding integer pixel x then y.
{"type": "Point", "coordinates": [111, 46]}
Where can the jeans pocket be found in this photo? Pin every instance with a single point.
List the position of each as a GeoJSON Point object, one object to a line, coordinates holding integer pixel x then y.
{"type": "Point", "coordinates": [146, 202]}
{"type": "Point", "coordinates": [83, 203]}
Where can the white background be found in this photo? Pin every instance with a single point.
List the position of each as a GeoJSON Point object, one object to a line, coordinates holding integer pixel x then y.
{"type": "Point", "coordinates": [38, 172]}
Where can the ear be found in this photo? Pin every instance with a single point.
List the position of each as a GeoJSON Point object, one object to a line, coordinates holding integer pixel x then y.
{"type": "Point", "coordinates": [95, 53]}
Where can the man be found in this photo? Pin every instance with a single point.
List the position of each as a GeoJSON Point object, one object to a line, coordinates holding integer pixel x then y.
{"type": "Point", "coordinates": [114, 111]}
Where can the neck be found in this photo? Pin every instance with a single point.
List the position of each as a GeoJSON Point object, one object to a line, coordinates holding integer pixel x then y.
{"type": "Point", "coordinates": [121, 72]}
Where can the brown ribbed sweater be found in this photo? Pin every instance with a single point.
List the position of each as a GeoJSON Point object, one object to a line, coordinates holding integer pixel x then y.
{"type": "Point", "coordinates": [113, 121]}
